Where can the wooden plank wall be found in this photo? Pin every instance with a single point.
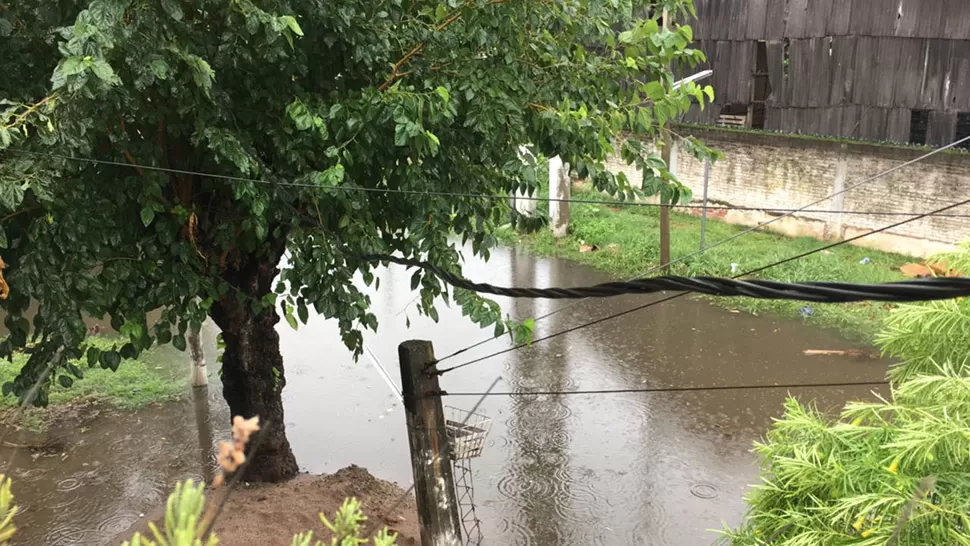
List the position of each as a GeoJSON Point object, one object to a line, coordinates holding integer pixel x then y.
{"type": "Point", "coordinates": [855, 67]}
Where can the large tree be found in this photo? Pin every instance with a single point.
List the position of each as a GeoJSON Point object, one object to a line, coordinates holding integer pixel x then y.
{"type": "Point", "coordinates": [165, 154]}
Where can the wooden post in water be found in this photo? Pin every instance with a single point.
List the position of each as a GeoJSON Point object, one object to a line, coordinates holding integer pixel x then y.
{"type": "Point", "coordinates": [434, 486]}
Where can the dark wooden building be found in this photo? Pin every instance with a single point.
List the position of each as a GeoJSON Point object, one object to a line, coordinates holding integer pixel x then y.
{"type": "Point", "coordinates": [896, 70]}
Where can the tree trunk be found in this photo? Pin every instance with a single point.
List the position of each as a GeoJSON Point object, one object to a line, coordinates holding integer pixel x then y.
{"type": "Point", "coordinates": [252, 366]}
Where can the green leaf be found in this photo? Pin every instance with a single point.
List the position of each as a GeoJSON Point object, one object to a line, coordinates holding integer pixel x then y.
{"type": "Point", "coordinates": [75, 371]}
{"type": "Point", "coordinates": [65, 381]}
{"type": "Point", "coordinates": [292, 24]}
{"type": "Point", "coordinates": [5, 138]}
{"type": "Point", "coordinates": [68, 67]}
{"type": "Point", "coordinates": [288, 315]}
{"type": "Point", "coordinates": [147, 215]}
{"type": "Point", "coordinates": [298, 112]}
{"type": "Point", "coordinates": [3, 237]}
{"type": "Point", "coordinates": [178, 342]}
{"type": "Point", "coordinates": [104, 72]}
{"type": "Point", "coordinates": [173, 9]}
{"type": "Point", "coordinates": [159, 68]}
{"type": "Point", "coordinates": [94, 356]}
{"type": "Point", "coordinates": [654, 90]}
{"type": "Point", "coordinates": [443, 93]}
{"type": "Point", "coordinates": [401, 135]}
{"type": "Point", "coordinates": [709, 91]}
{"type": "Point", "coordinates": [110, 360]}
{"type": "Point", "coordinates": [202, 73]}
{"type": "Point", "coordinates": [440, 12]}
{"type": "Point", "coordinates": [302, 311]}
{"type": "Point", "coordinates": [626, 37]}
{"type": "Point", "coordinates": [687, 32]}
{"type": "Point", "coordinates": [128, 351]}
{"type": "Point", "coordinates": [332, 176]}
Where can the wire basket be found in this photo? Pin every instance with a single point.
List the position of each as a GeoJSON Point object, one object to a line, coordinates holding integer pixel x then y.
{"type": "Point", "coordinates": [466, 432]}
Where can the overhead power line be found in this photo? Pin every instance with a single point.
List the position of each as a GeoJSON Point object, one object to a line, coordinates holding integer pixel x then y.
{"type": "Point", "coordinates": [815, 291]}
{"type": "Point", "coordinates": [681, 294]}
{"type": "Point", "coordinates": [463, 195]}
{"type": "Point", "coordinates": [752, 229]}
{"type": "Point", "coordinates": [673, 389]}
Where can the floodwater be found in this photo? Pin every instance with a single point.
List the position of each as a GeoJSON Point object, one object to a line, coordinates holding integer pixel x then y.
{"type": "Point", "coordinates": [610, 469]}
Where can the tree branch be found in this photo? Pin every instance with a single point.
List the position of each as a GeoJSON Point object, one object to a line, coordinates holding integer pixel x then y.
{"type": "Point", "coordinates": [30, 109]}
{"type": "Point", "coordinates": [17, 213]}
{"type": "Point", "coordinates": [451, 18]}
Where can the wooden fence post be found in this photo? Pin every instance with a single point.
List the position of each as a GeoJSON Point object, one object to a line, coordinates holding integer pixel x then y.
{"type": "Point", "coordinates": [434, 486]}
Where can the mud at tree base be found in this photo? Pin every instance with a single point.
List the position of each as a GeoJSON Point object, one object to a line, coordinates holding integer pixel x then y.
{"type": "Point", "coordinates": [270, 514]}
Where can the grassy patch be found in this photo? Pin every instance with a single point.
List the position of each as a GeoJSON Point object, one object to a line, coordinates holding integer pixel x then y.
{"type": "Point", "coordinates": [628, 242]}
{"type": "Point", "coordinates": [145, 380]}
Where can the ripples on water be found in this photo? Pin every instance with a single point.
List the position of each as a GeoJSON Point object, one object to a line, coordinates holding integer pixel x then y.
{"type": "Point", "coordinates": [612, 470]}
{"type": "Point", "coordinates": [106, 477]}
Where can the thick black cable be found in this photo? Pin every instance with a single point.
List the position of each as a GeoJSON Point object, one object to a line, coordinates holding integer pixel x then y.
{"type": "Point", "coordinates": [675, 389]}
{"type": "Point", "coordinates": [819, 292]}
{"type": "Point", "coordinates": [498, 197]}
{"type": "Point", "coordinates": [742, 233]}
{"type": "Point", "coordinates": [681, 294]}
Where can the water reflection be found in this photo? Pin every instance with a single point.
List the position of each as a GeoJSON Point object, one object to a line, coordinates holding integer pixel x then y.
{"type": "Point", "coordinates": [647, 468]}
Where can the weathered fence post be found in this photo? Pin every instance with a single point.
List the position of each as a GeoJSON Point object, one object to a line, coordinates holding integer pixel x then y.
{"type": "Point", "coordinates": [559, 190]}
{"type": "Point", "coordinates": [434, 487]}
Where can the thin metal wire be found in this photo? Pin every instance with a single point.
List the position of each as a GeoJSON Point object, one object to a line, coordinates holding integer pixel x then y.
{"type": "Point", "coordinates": [383, 373]}
{"type": "Point", "coordinates": [496, 197]}
{"type": "Point", "coordinates": [678, 389]}
{"type": "Point", "coordinates": [681, 294]}
{"type": "Point", "coordinates": [743, 233]}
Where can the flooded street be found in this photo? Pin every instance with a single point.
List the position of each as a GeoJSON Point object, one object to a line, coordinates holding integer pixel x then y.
{"type": "Point", "coordinates": [610, 469]}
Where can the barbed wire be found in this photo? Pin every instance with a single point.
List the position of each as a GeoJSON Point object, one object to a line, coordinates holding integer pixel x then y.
{"type": "Point", "coordinates": [681, 294]}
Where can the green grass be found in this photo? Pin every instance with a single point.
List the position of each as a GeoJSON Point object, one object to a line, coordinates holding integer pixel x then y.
{"type": "Point", "coordinates": [138, 382]}
{"type": "Point", "coordinates": [628, 241]}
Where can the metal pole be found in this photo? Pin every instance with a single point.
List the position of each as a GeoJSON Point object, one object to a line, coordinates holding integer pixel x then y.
{"type": "Point", "coordinates": [434, 485]}
{"type": "Point", "coordinates": [707, 180]}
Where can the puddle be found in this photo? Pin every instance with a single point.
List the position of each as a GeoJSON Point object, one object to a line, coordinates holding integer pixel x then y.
{"type": "Point", "coordinates": [640, 468]}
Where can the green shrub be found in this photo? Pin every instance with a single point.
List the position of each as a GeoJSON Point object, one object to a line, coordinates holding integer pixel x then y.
{"type": "Point", "coordinates": [893, 471]}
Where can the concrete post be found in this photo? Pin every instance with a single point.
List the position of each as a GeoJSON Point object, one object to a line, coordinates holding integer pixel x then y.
{"type": "Point", "coordinates": [559, 191]}
{"type": "Point", "coordinates": [434, 486]}
{"type": "Point", "coordinates": [199, 376]}
{"type": "Point", "coordinates": [838, 187]}
{"type": "Point", "coordinates": [523, 204]}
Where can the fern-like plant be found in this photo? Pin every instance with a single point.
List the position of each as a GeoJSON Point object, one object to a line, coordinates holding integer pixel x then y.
{"type": "Point", "coordinates": [346, 528]}
{"type": "Point", "coordinates": [7, 511]}
{"type": "Point", "coordinates": [895, 471]}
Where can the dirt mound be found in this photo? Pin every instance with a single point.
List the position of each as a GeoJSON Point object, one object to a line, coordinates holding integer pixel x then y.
{"type": "Point", "coordinates": [270, 514]}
